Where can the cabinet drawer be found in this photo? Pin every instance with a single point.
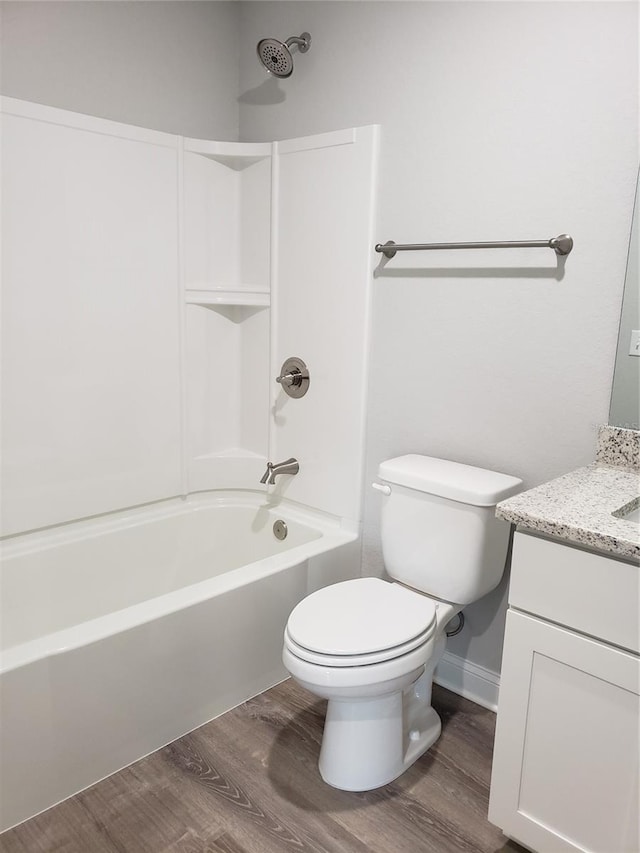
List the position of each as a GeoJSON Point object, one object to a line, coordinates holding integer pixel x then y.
{"type": "Point", "coordinates": [588, 592]}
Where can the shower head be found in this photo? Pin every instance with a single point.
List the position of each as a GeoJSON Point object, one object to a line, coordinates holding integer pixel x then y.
{"type": "Point", "coordinates": [276, 55]}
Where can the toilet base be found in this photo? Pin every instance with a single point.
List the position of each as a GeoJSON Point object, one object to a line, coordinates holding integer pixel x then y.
{"type": "Point", "coordinates": [368, 743]}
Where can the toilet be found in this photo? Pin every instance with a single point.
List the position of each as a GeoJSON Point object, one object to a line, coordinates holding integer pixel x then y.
{"type": "Point", "coordinates": [370, 646]}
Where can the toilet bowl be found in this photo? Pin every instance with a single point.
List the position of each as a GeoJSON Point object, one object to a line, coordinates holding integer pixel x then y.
{"type": "Point", "coordinates": [370, 646]}
{"type": "Point", "coordinates": [382, 641]}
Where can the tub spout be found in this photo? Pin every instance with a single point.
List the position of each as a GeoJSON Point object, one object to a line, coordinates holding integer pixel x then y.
{"type": "Point", "coordinates": [267, 473]}
{"type": "Point", "coordinates": [289, 466]}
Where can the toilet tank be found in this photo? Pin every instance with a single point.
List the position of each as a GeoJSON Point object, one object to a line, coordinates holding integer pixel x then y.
{"type": "Point", "coordinates": [438, 526]}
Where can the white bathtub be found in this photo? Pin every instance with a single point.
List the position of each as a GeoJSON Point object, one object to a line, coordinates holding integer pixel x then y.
{"type": "Point", "coordinates": [119, 635]}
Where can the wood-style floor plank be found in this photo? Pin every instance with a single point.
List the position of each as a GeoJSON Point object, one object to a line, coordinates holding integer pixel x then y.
{"type": "Point", "coordinates": [248, 782]}
{"type": "Point", "coordinates": [375, 817]}
{"type": "Point", "coordinates": [408, 819]}
{"type": "Point", "coordinates": [248, 800]}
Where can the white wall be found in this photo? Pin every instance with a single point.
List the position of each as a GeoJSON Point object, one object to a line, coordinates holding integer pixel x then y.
{"type": "Point", "coordinates": [499, 121]}
{"type": "Point", "coordinates": [170, 66]}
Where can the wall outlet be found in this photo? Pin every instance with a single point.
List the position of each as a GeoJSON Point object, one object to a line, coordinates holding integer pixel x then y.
{"type": "Point", "coordinates": [634, 343]}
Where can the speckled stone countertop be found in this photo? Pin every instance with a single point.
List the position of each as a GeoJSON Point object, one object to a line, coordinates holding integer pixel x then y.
{"type": "Point", "coordinates": [582, 507]}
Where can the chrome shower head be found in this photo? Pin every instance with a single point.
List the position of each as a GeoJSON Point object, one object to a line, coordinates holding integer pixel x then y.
{"type": "Point", "coordinates": [276, 57]}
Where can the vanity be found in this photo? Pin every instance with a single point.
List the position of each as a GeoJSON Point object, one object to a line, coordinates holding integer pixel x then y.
{"type": "Point", "coordinates": [566, 758]}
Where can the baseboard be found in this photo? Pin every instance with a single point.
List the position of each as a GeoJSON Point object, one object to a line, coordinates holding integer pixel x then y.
{"type": "Point", "coordinates": [467, 679]}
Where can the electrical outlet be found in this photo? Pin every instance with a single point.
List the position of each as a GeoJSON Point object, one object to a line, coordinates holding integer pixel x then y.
{"type": "Point", "coordinates": [634, 343]}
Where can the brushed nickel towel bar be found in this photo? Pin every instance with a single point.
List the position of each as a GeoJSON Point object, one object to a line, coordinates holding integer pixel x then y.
{"type": "Point", "coordinates": [561, 245]}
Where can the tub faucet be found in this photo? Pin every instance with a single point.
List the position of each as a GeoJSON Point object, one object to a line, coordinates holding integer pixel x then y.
{"type": "Point", "coordinates": [289, 466]}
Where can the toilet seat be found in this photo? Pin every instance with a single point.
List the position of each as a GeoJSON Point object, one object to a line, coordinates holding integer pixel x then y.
{"type": "Point", "coordinates": [354, 660]}
{"type": "Point", "coordinates": [358, 623]}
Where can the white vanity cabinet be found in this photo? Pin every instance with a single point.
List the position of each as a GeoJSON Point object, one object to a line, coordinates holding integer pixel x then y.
{"type": "Point", "coordinates": [566, 758]}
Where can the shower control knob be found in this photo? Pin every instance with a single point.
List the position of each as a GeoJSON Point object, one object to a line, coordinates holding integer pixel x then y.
{"type": "Point", "coordinates": [294, 377]}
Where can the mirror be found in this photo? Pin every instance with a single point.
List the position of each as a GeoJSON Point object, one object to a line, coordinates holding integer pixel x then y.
{"type": "Point", "coordinates": [625, 395]}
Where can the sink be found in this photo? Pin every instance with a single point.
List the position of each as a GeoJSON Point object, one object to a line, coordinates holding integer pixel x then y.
{"type": "Point", "coordinates": [633, 515]}
{"type": "Point", "coordinates": [629, 512]}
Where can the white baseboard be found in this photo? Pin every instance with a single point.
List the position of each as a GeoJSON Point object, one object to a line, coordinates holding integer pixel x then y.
{"type": "Point", "coordinates": [467, 679]}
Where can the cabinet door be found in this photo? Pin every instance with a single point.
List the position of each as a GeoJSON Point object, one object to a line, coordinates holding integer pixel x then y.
{"type": "Point", "coordinates": [565, 766]}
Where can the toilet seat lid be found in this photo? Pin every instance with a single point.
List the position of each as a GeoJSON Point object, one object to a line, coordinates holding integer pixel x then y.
{"type": "Point", "coordinates": [360, 617]}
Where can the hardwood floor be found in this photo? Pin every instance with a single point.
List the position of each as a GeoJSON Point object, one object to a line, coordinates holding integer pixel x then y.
{"type": "Point", "coordinates": [248, 783]}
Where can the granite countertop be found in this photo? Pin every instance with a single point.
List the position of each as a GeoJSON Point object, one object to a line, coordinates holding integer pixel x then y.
{"type": "Point", "coordinates": [579, 507]}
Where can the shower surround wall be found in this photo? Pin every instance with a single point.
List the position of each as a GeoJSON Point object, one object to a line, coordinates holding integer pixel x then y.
{"type": "Point", "coordinates": [90, 338]}
{"type": "Point", "coordinates": [140, 340]}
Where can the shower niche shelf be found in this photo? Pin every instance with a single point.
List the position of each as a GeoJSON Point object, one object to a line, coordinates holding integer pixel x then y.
{"type": "Point", "coordinates": [235, 155]}
{"type": "Point", "coordinates": [227, 395]}
{"type": "Point", "coordinates": [240, 297]}
{"type": "Point", "coordinates": [227, 222]}
{"type": "Point", "coordinates": [226, 280]}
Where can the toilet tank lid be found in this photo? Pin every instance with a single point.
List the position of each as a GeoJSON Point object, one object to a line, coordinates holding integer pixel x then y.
{"type": "Point", "coordinates": [453, 480]}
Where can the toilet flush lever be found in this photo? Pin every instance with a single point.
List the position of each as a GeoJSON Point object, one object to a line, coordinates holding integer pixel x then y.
{"type": "Point", "coordinates": [386, 490]}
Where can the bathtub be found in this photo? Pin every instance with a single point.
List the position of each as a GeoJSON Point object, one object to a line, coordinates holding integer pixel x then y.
{"type": "Point", "coordinates": [120, 634]}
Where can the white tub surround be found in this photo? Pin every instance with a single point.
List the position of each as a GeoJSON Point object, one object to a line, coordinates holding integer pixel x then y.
{"type": "Point", "coordinates": [154, 352]}
{"type": "Point", "coordinates": [121, 634]}
{"type": "Point", "coordinates": [90, 332]}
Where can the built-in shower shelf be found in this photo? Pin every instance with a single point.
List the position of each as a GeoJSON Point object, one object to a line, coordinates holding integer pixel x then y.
{"type": "Point", "coordinates": [235, 155]}
{"type": "Point", "coordinates": [258, 298]}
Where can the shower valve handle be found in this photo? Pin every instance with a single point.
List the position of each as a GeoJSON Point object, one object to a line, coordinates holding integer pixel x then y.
{"type": "Point", "coordinates": [294, 377]}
